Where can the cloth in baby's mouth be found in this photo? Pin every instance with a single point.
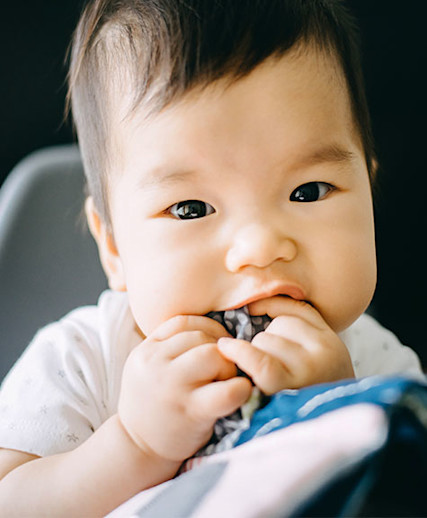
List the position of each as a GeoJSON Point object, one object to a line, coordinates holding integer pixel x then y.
{"type": "Point", "coordinates": [239, 323]}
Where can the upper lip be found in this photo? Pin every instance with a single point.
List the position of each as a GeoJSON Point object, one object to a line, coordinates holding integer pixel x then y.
{"type": "Point", "coordinates": [291, 290]}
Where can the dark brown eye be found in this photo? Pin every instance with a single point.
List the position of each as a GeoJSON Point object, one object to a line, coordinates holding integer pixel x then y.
{"type": "Point", "coordinates": [191, 209]}
{"type": "Point", "coordinates": [312, 191]}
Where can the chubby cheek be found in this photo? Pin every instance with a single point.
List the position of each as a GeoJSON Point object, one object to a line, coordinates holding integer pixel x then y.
{"type": "Point", "coordinates": [349, 295]}
{"type": "Point", "coordinates": [166, 285]}
{"type": "Point", "coordinates": [153, 298]}
{"type": "Point", "coordinates": [146, 317]}
{"type": "Point", "coordinates": [347, 289]}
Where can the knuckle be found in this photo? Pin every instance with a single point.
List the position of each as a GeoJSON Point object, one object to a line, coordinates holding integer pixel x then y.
{"type": "Point", "coordinates": [265, 371]}
{"type": "Point", "coordinates": [286, 321]}
{"type": "Point", "coordinates": [170, 327]}
{"type": "Point", "coordinates": [207, 352]}
{"type": "Point", "coordinates": [281, 323]}
{"type": "Point", "coordinates": [308, 371]}
{"type": "Point", "coordinates": [141, 354]}
{"type": "Point", "coordinates": [302, 303]}
{"type": "Point", "coordinates": [228, 394]}
{"type": "Point", "coordinates": [259, 338]}
{"type": "Point", "coordinates": [232, 394]}
{"type": "Point", "coordinates": [200, 337]}
{"type": "Point", "coordinates": [180, 322]}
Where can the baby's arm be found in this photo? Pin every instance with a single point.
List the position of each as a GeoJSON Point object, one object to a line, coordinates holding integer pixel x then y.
{"type": "Point", "coordinates": [175, 385]}
{"type": "Point", "coordinates": [91, 480]}
{"type": "Point", "coordinates": [297, 349]}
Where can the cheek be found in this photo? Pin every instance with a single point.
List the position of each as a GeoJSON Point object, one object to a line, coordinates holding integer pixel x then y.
{"type": "Point", "coordinates": [166, 280]}
{"type": "Point", "coordinates": [349, 263]}
{"type": "Point", "coordinates": [354, 287]}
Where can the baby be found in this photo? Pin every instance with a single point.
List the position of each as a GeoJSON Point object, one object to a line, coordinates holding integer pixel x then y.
{"type": "Point", "coordinates": [230, 164]}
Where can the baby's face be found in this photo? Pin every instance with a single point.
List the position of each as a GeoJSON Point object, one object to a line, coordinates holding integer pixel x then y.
{"type": "Point", "coordinates": [244, 192]}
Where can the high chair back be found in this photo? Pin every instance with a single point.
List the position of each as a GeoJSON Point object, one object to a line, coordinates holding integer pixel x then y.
{"type": "Point", "coordinates": [48, 259]}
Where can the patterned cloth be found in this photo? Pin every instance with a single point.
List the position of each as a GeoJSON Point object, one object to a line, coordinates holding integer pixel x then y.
{"type": "Point", "coordinates": [240, 324]}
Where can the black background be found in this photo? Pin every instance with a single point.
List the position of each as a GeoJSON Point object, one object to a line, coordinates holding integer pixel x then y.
{"type": "Point", "coordinates": [33, 40]}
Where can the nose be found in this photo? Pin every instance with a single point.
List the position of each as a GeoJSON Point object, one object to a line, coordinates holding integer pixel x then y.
{"type": "Point", "coordinates": [259, 245]}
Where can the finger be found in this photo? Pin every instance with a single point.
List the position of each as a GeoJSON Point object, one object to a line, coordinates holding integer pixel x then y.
{"type": "Point", "coordinates": [267, 372]}
{"type": "Point", "coordinates": [181, 323]}
{"type": "Point", "coordinates": [307, 365]}
{"type": "Point", "coordinates": [280, 305]}
{"type": "Point", "coordinates": [204, 364]}
{"type": "Point", "coordinates": [286, 351]}
{"type": "Point", "coordinates": [294, 329]}
{"type": "Point", "coordinates": [221, 398]}
{"type": "Point", "coordinates": [185, 341]}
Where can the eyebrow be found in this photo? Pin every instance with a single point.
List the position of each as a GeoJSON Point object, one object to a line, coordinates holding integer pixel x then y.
{"type": "Point", "coordinates": [159, 176]}
{"type": "Point", "coordinates": [330, 153]}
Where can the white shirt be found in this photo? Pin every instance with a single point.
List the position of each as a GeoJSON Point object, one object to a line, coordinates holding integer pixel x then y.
{"type": "Point", "coordinates": [67, 383]}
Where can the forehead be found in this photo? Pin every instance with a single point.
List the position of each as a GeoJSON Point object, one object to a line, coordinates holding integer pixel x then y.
{"type": "Point", "coordinates": [282, 106]}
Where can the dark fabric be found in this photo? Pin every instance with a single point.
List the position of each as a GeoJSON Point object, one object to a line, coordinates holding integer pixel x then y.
{"type": "Point", "coordinates": [391, 482]}
{"type": "Point", "coordinates": [239, 323]}
{"type": "Point", "coordinates": [397, 395]}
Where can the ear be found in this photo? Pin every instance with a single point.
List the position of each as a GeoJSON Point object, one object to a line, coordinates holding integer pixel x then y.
{"type": "Point", "coordinates": [108, 253]}
{"type": "Point", "coordinates": [374, 169]}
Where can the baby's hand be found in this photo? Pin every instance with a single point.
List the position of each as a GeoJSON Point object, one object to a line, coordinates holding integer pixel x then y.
{"type": "Point", "coordinates": [297, 349]}
{"type": "Point", "coordinates": [176, 384]}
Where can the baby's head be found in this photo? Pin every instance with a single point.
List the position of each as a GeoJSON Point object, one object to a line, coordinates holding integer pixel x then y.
{"type": "Point", "coordinates": [228, 152]}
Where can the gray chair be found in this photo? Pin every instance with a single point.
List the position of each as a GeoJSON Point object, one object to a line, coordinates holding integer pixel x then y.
{"type": "Point", "coordinates": [48, 260]}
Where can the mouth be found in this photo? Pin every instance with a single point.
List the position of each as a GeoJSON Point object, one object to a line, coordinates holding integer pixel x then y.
{"type": "Point", "coordinates": [288, 290]}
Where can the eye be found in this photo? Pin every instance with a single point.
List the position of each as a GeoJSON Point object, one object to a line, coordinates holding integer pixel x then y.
{"type": "Point", "coordinates": [312, 191]}
{"type": "Point", "coordinates": [191, 209]}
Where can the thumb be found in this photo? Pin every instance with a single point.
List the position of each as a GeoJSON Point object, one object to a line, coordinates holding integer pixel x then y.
{"type": "Point", "coordinates": [221, 398]}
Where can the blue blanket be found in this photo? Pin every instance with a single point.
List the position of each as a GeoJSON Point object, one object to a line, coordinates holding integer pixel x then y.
{"type": "Point", "coordinates": [390, 482]}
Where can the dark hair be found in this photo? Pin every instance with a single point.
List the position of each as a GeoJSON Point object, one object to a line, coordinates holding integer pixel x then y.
{"type": "Point", "coordinates": [165, 48]}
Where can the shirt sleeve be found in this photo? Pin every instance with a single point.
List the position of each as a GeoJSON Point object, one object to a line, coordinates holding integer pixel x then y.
{"type": "Point", "coordinates": [54, 397]}
{"type": "Point", "coordinates": [375, 350]}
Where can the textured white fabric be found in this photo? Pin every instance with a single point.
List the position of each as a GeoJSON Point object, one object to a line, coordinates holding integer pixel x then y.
{"type": "Point", "coordinates": [376, 350]}
{"type": "Point", "coordinates": [67, 383]}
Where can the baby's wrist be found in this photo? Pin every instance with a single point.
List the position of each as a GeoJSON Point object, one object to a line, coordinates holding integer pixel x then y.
{"type": "Point", "coordinates": [144, 453]}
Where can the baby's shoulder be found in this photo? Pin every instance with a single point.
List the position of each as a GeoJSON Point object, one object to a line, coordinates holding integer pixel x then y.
{"type": "Point", "coordinates": [104, 328]}
{"type": "Point", "coordinates": [110, 309]}
{"type": "Point", "coordinates": [377, 350]}
{"type": "Point", "coordinates": [67, 382]}
{"type": "Point", "coordinates": [95, 335]}
{"type": "Point", "coordinates": [367, 327]}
